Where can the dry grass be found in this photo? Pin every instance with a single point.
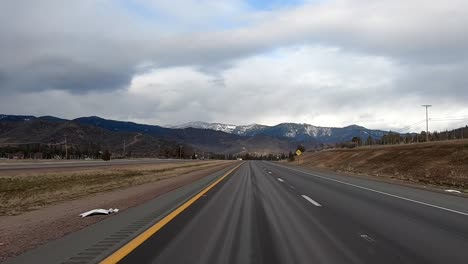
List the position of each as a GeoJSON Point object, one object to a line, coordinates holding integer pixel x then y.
{"type": "Point", "coordinates": [19, 194]}
{"type": "Point", "coordinates": [441, 164]}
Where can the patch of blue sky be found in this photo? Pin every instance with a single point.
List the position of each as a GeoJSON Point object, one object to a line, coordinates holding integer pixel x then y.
{"type": "Point", "coordinates": [274, 4]}
{"type": "Point", "coordinates": [137, 9]}
{"type": "Point", "coordinates": [173, 23]}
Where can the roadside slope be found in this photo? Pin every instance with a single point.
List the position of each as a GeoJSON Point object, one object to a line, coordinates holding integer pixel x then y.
{"type": "Point", "coordinates": [440, 163]}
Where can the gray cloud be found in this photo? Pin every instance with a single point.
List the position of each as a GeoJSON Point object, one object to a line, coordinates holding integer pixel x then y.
{"type": "Point", "coordinates": [366, 55]}
{"type": "Point", "coordinates": [103, 36]}
{"type": "Point", "coordinates": [435, 82]}
{"type": "Point", "coordinates": [65, 74]}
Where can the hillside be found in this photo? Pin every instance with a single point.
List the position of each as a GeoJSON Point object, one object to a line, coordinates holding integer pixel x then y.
{"type": "Point", "coordinates": [93, 134]}
{"type": "Point", "coordinates": [50, 138]}
{"type": "Point", "coordinates": [438, 163]}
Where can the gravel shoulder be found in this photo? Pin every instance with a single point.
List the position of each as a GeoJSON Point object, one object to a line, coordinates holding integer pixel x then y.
{"type": "Point", "coordinates": [25, 231]}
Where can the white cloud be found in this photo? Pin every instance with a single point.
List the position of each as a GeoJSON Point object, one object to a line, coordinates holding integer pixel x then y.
{"type": "Point", "coordinates": [323, 62]}
{"type": "Point", "coordinates": [318, 85]}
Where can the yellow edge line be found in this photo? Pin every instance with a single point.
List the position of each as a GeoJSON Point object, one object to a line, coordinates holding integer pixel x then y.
{"type": "Point", "coordinates": [137, 241]}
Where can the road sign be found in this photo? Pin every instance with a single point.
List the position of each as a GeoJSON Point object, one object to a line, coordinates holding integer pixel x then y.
{"type": "Point", "coordinates": [298, 152]}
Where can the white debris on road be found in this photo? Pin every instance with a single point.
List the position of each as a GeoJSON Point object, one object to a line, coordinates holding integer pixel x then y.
{"type": "Point", "coordinates": [452, 191]}
{"type": "Point", "coordinates": [368, 238]}
{"type": "Point", "coordinates": [99, 212]}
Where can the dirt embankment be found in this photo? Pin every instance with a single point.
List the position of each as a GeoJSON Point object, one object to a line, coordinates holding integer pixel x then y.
{"type": "Point", "coordinates": [442, 163]}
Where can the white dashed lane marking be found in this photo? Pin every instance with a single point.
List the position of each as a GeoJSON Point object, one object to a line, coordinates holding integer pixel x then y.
{"type": "Point", "coordinates": [311, 201]}
{"type": "Point", "coordinates": [383, 193]}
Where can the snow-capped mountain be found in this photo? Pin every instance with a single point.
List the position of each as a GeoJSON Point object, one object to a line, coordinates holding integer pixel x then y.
{"type": "Point", "coordinates": [248, 130]}
{"type": "Point", "coordinates": [300, 132]}
{"type": "Point", "coordinates": [216, 137]}
{"type": "Point", "coordinates": [204, 125]}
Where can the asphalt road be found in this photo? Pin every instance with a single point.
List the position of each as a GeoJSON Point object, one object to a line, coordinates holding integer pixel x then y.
{"type": "Point", "coordinates": [267, 213]}
{"type": "Point", "coordinates": [81, 163]}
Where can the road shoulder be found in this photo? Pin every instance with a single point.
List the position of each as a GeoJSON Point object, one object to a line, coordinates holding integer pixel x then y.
{"type": "Point", "coordinates": [420, 186]}
{"type": "Point", "coordinates": [29, 230]}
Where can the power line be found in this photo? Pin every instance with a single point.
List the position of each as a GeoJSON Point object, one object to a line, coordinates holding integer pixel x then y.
{"type": "Point", "coordinates": [28, 143]}
{"type": "Point", "coordinates": [435, 119]}
{"type": "Point", "coordinates": [403, 129]}
{"type": "Point", "coordinates": [449, 119]}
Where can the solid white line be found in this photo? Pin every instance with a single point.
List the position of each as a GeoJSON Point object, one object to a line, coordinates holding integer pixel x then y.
{"type": "Point", "coordinates": [384, 193]}
{"type": "Point", "coordinates": [281, 180]}
{"type": "Point", "coordinates": [310, 200]}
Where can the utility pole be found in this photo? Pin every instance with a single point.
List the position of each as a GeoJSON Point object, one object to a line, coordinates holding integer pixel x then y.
{"type": "Point", "coordinates": [124, 149]}
{"type": "Point", "coordinates": [427, 122]}
{"type": "Point", "coordinates": [66, 148]}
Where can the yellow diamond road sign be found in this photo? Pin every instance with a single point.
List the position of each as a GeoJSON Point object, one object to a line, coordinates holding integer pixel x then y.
{"type": "Point", "coordinates": [298, 152]}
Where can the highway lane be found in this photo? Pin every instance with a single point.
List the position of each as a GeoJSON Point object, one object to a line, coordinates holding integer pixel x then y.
{"type": "Point", "coordinates": [268, 213]}
{"type": "Point", "coordinates": [82, 163]}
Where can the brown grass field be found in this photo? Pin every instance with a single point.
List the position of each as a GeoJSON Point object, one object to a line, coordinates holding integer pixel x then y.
{"type": "Point", "coordinates": [28, 191]}
{"type": "Point", "coordinates": [440, 163]}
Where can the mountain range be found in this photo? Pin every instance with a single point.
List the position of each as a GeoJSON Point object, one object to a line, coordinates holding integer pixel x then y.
{"type": "Point", "coordinates": [299, 132]}
{"type": "Point", "coordinates": [201, 136]}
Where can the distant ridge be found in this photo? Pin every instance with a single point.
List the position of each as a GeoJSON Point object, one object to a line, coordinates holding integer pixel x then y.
{"type": "Point", "coordinates": [215, 137]}
{"type": "Point", "coordinates": [144, 139]}
{"type": "Point", "coordinates": [300, 132]}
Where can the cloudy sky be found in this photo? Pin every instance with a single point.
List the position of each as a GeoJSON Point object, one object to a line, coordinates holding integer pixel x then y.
{"type": "Point", "coordinates": [323, 62]}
